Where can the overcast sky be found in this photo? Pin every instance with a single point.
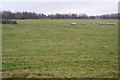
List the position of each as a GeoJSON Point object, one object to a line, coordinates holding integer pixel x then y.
{"type": "Point", "coordinates": [91, 7]}
{"type": "Point", "coordinates": [59, 0]}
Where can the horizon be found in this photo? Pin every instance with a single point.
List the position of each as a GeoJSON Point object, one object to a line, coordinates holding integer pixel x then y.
{"type": "Point", "coordinates": [65, 13]}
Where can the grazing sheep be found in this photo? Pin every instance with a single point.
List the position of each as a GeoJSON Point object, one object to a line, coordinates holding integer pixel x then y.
{"type": "Point", "coordinates": [104, 23]}
{"type": "Point", "coordinates": [100, 23]}
{"type": "Point", "coordinates": [93, 23]}
{"type": "Point", "coordinates": [22, 20]}
{"type": "Point", "coordinates": [73, 23]}
{"type": "Point", "coordinates": [83, 23]}
{"type": "Point", "coordinates": [108, 23]}
{"type": "Point", "coordinates": [113, 23]}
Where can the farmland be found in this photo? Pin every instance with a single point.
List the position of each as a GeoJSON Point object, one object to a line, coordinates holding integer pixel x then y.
{"type": "Point", "coordinates": [51, 48]}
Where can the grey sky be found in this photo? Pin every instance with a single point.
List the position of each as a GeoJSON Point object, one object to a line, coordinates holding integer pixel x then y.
{"type": "Point", "coordinates": [59, 0]}
{"type": "Point", "coordinates": [90, 8]}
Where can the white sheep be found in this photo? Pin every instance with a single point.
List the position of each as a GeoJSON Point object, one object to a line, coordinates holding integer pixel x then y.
{"type": "Point", "coordinates": [113, 23]}
{"type": "Point", "coordinates": [83, 23]}
{"type": "Point", "coordinates": [104, 23]}
{"type": "Point", "coordinates": [73, 23]}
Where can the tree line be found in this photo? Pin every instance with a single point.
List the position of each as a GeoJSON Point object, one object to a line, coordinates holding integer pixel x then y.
{"type": "Point", "coordinates": [32, 15]}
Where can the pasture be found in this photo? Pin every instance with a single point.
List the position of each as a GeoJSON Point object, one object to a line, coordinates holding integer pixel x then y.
{"type": "Point", "coordinates": [55, 49]}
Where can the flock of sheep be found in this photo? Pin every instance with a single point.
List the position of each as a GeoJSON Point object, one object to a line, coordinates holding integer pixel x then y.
{"type": "Point", "coordinates": [100, 23]}
{"type": "Point", "coordinates": [104, 23]}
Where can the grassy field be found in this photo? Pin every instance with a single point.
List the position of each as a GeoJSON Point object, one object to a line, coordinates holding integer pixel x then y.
{"type": "Point", "coordinates": [55, 49]}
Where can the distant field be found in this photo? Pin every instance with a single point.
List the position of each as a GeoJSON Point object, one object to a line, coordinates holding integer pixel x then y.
{"type": "Point", "coordinates": [55, 49]}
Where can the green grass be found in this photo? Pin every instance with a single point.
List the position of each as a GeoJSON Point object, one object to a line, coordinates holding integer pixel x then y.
{"type": "Point", "coordinates": [55, 49]}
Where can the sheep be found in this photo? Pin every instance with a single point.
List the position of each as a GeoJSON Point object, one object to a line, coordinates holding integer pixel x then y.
{"type": "Point", "coordinates": [110, 23]}
{"type": "Point", "coordinates": [102, 23]}
{"type": "Point", "coordinates": [22, 20]}
{"type": "Point", "coordinates": [113, 23]}
{"type": "Point", "coordinates": [93, 23]}
{"type": "Point", "coordinates": [73, 23]}
{"type": "Point", "coordinates": [83, 23]}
